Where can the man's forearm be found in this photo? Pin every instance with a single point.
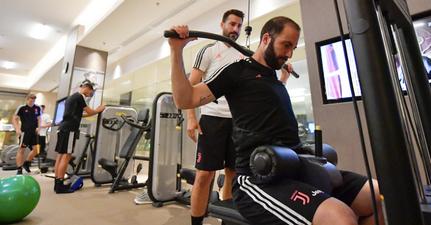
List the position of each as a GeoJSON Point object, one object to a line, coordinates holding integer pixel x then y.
{"type": "Point", "coordinates": [46, 125]}
{"type": "Point", "coordinates": [181, 87]}
{"type": "Point", "coordinates": [191, 113]}
{"type": "Point", "coordinates": [15, 124]}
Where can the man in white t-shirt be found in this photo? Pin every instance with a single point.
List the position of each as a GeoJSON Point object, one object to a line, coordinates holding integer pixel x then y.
{"type": "Point", "coordinates": [45, 123]}
{"type": "Point", "coordinates": [215, 148]}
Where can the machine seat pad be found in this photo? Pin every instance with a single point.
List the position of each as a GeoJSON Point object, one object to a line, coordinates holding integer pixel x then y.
{"type": "Point", "coordinates": [107, 163]}
{"type": "Point", "coordinates": [226, 211]}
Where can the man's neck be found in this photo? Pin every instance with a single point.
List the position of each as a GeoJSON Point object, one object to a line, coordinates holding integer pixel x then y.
{"type": "Point", "coordinates": [258, 56]}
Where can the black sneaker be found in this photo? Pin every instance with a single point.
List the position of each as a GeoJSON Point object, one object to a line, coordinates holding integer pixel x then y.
{"type": "Point", "coordinates": [19, 172]}
{"type": "Point", "coordinates": [26, 166]}
{"type": "Point", "coordinates": [56, 184]}
{"type": "Point", "coordinates": [61, 188]}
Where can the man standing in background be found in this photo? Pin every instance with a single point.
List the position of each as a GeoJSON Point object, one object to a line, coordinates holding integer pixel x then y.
{"type": "Point", "coordinates": [44, 125]}
{"type": "Point", "coordinates": [68, 131]}
{"type": "Point", "coordinates": [215, 150]}
{"type": "Point", "coordinates": [29, 115]}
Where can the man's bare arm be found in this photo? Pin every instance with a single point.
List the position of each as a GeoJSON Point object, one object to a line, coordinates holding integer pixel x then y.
{"type": "Point", "coordinates": [48, 124]}
{"type": "Point", "coordinates": [15, 124]}
{"type": "Point", "coordinates": [185, 95]}
{"type": "Point", "coordinates": [89, 111]}
{"type": "Point", "coordinates": [39, 121]}
{"type": "Point", "coordinates": [195, 77]}
{"type": "Point", "coordinates": [192, 122]}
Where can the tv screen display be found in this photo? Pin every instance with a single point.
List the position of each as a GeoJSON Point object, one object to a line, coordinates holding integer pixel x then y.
{"type": "Point", "coordinates": [333, 70]}
{"type": "Point", "coordinates": [59, 111]}
{"type": "Point", "coordinates": [422, 25]}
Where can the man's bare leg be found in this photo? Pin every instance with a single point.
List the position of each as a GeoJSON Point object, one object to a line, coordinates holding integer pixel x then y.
{"type": "Point", "coordinates": [200, 192]}
{"type": "Point", "coordinates": [227, 186]}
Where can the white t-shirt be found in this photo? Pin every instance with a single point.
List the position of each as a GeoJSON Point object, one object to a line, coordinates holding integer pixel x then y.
{"type": "Point", "coordinates": [210, 58]}
{"type": "Point", "coordinates": [44, 120]}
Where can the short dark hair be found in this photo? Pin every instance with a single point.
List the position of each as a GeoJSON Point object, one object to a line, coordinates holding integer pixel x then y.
{"type": "Point", "coordinates": [276, 25]}
{"type": "Point", "coordinates": [43, 106]}
{"type": "Point", "coordinates": [87, 85]}
{"type": "Point", "coordinates": [235, 12]}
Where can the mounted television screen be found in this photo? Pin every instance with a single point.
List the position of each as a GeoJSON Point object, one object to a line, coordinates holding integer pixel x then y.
{"type": "Point", "coordinates": [333, 71]}
{"type": "Point", "coordinates": [59, 111]}
{"type": "Point", "coordinates": [422, 25]}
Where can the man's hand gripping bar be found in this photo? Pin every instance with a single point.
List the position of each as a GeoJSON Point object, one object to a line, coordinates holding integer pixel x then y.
{"type": "Point", "coordinates": [200, 34]}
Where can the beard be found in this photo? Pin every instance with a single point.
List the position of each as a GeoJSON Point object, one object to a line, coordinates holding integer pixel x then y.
{"type": "Point", "coordinates": [227, 34]}
{"type": "Point", "coordinates": [271, 58]}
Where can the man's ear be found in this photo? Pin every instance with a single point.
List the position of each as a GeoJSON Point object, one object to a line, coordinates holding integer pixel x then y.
{"type": "Point", "coordinates": [266, 39]}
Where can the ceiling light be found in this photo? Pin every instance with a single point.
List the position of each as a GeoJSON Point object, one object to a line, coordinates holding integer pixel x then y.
{"type": "Point", "coordinates": [40, 31]}
{"type": "Point", "coordinates": [9, 65]}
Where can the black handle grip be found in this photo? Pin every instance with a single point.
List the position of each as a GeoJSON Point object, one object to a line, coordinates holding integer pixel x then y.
{"type": "Point", "coordinates": [200, 34]}
{"type": "Point", "coordinates": [134, 124]}
{"type": "Point", "coordinates": [318, 142]}
{"type": "Point", "coordinates": [293, 73]}
{"type": "Point", "coordinates": [170, 34]}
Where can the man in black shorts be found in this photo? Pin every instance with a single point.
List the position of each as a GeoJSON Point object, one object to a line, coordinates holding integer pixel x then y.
{"type": "Point", "coordinates": [69, 130]}
{"type": "Point", "coordinates": [263, 114]}
{"type": "Point", "coordinates": [29, 115]}
{"type": "Point", "coordinates": [215, 150]}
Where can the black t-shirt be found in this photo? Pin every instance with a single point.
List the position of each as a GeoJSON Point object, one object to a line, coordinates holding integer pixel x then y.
{"type": "Point", "coordinates": [28, 116]}
{"type": "Point", "coordinates": [73, 109]}
{"type": "Point", "coordinates": [260, 107]}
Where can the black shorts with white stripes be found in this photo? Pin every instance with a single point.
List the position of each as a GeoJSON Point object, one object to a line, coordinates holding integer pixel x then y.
{"type": "Point", "coordinates": [66, 142]}
{"type": "Point", "coordinates": [28, 139]}
{"type": "Point", "coordinates": [287, 201]}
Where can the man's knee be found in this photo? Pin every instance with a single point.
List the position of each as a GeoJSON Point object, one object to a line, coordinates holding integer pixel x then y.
{"type": "Point", "coordinates": [333, 211]}
{"type": "Point", "coordinates": [229, 173]}
{"type": "Point", "coordinates": [21, 151]}
{"type": "Point", "coordinates": [204, 178]}
{"type": "Point", "coordinates": [363, 205]}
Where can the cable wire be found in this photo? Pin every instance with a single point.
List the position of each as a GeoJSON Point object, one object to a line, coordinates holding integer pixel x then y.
{"type": "Point", "coordinates": [358, 117]}
{"type": "Point", "coordinates": [248, 28]}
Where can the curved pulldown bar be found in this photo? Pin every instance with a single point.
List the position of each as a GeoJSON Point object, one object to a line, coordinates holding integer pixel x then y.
{"type": "Point", "coordinates": [201, 34]}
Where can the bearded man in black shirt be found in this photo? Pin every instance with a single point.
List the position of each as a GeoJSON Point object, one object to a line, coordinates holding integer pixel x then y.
{"type": "Point", "coordinates": [263, 115]}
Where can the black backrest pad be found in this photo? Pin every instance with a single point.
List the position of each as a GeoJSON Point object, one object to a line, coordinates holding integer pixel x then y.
{"type": "Point", "coordinates": [144, 116]}
{"type": "Point", "coordinates": [131, 143]}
